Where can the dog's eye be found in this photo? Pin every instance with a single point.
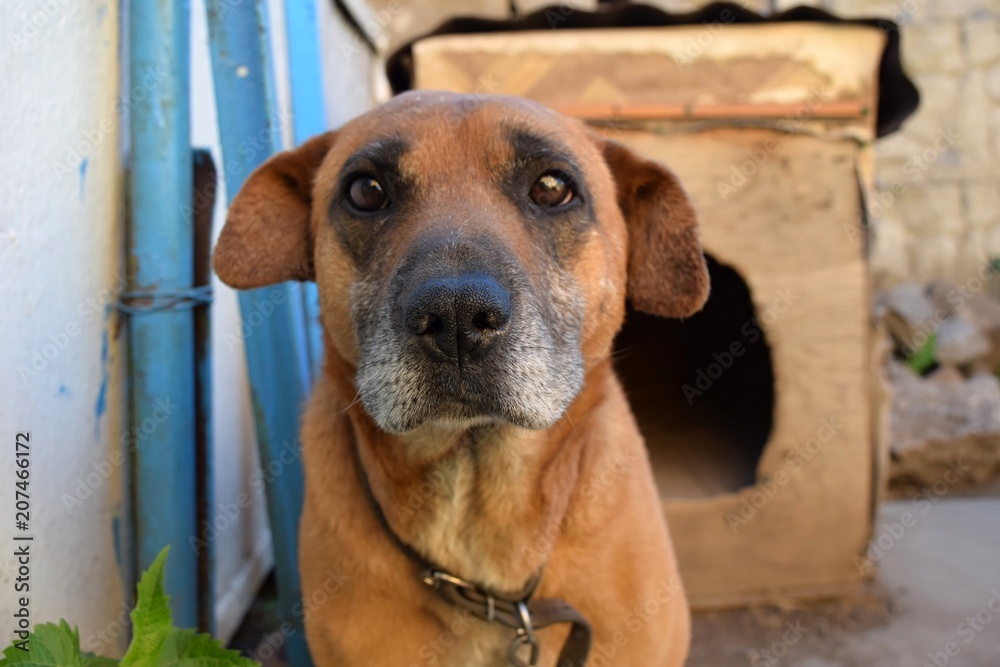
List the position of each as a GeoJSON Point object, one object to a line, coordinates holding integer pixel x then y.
{"type": "Point", "coordinates": [552, 189]}
{"type": "Point", "coordinates": [366, 194]}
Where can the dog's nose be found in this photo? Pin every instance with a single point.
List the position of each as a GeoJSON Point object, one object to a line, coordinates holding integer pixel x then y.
{"type": "Point", "coordinates": [458, 317]}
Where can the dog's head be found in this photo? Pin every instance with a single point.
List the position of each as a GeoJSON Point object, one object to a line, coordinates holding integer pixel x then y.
{"type": "Point", "coordinates": [473, 253]}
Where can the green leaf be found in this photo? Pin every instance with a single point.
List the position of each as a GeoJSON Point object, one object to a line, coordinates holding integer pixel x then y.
{"type": "Point", "coordinates": [151, 618]}
{"type": "Point", "coordinates": [49, 645]}
{"type": "Point", "coordinates": [923, 358]}
{"type": "Point", "coordinates": [98, 661]}
{"type": "Point", "coordinates": [186, 648]}
{"type": "Point", "coordinates": [155, 642]}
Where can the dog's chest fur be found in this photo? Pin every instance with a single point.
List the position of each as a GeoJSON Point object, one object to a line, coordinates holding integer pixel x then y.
{"type": "Point", "coordinates": [469, 643]}
{"type": "Point", "coordinates": [472, 507]}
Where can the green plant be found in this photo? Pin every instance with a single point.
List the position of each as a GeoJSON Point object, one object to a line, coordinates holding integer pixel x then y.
{"type": "Point", "coordinates": [923, 359]}
{"type": "Point", "coordinates": [155, 640]}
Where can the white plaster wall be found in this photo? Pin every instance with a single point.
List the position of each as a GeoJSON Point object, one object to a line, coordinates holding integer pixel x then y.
{"type": "Point", "coordinates": [347, 66]}
{"type": "Point", "coordinates": [61, 249]}
{"type": "Point", "coordinates": [61, 370]}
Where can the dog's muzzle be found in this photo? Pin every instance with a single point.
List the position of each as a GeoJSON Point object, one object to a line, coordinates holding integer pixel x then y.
{"type": "Point", "coordinates": [460, 334]}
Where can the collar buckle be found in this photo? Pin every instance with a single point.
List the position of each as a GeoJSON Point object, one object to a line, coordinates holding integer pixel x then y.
{"type": "Point", "coordinates": [434, 579]}
{"type": "Point", "coordinates": [525, 637]}
{"type": "Point", "coordinates": [514, 613]}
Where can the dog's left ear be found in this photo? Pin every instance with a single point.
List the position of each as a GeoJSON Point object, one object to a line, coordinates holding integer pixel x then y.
{"type": "Point", "coordinates": [667, 274]}
{"type": "Point", "coordinates": [267, 237]}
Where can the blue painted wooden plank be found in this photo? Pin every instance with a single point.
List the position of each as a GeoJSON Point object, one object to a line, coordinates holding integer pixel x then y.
{"type": "Point", "coordinates": [306, 77]}
{"type": "Point", "coordinates": [305, 71]}
{"type": "Point", "coordinates": [246, 110]}
{"type": "Point", "coordinates": [161, 344]}
{"type": "Point", "coordinates": [303, 362]}
{"type": "Point", "coordinates": [314, 329]}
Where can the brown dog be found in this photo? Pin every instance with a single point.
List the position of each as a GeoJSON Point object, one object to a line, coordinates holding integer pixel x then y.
{"type": "Point", "coordinates": [473, 257]}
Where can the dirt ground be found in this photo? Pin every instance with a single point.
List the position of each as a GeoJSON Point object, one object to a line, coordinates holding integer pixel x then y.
{"type": "Point", "coordinates": [775, 635]}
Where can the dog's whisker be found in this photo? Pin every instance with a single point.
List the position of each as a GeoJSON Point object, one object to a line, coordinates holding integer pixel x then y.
{"type": "Point", "coordinates": [357, 399]}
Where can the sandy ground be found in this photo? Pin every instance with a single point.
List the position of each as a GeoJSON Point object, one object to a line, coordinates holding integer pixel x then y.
{"type": "Point", "coordinates": [936, 603]}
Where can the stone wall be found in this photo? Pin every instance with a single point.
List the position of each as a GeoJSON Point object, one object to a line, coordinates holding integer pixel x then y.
{"type": "Point", "coordinates": [938, 210]}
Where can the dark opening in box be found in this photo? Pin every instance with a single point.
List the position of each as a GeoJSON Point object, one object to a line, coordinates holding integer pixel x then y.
{"type": "Point", "coordinates": [702, 390]}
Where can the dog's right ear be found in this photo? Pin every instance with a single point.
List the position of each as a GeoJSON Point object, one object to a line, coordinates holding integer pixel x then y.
{"type": "Point", "coordinates": [267, 237]}
{"type": "Point", "coordinates": [667, 273]}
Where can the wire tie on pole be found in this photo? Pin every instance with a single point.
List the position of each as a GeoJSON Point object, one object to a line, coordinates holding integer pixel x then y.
{"type": "Point", "coordinates": [140, 302]}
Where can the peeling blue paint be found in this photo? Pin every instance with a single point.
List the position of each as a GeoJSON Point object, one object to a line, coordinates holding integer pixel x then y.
{"type": "Point", "coordinates": [83, 176]}
{"type": "Point", "coordinates": [116, 525]}
{"type": "Point", "coordinates": [101, 405]}
{"type": "Point", "coordinates": [64, 391]}
{"type": "Point", "coordinates": [104, 338]}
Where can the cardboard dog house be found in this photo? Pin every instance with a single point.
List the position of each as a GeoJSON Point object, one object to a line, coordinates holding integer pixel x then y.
{"type": "Point", "coordinates": [761, 414]}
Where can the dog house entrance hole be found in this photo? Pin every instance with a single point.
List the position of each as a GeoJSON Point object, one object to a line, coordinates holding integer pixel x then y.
{"type": "Point", "coordinates": [702, 390]}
